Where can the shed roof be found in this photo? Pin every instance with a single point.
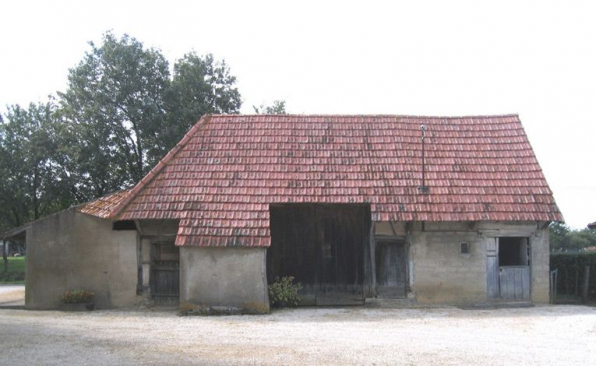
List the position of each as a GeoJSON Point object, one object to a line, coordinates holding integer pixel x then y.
{"type": "Point", "coordinates": [103, 206]}
{"type": "Point", "coordinates": [222, 177]}
{"type": "Point", "coordinates": [100, 207]}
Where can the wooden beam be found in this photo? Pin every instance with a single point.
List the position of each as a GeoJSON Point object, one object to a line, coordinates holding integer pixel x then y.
{"type": "Point", "coordinates": [139, 264]}
{"type": "Point", "coordinates": [371, 243]}
{"type": "Point", "coordinates": [392, 228]}
{"type": "Point", "coordinates": [138, 226]}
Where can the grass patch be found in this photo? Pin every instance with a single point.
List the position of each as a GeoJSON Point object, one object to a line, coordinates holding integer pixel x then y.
{"type": "Point", "coordinates": [16, 271]}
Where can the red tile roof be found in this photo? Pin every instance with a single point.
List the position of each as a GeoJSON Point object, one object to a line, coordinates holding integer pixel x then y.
{"type": "Point", "coordinates": [102, 207]}
{"type": "Point", "coordinates": [220, 179]}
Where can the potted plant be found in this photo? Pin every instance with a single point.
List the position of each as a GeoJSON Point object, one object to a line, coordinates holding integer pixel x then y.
{"type": "Point", "coordinates": [78, 300]}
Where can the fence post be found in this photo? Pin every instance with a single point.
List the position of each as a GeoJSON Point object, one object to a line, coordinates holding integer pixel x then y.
{"type": "Point", "coordinates": [586, 284]}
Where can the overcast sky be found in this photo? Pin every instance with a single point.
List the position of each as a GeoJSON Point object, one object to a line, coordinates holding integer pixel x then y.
{"type": "Point", "coordinates": [536, 59]}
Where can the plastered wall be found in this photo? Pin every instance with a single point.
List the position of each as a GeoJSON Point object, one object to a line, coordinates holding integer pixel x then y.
{"type": "Point", "coordinates": [70, 250]}
{"type": "Point", "coordinates": [440, 274]}
{"type": "Point", "coordinates": [230, 279]}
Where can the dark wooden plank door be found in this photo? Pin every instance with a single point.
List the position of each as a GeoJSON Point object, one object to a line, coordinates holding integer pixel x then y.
{"type": "Point", "coordinates": [165, 272]}
{"type": "Point", "coordinates": [340, 262]}
{"type": "Point", "coordinates": [391, 272]}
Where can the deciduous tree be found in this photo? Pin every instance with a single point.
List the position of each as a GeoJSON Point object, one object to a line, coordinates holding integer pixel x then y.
{"type": "Point", "coordinates": [126, 111]}
{"type": "Point", "coordinates": [115, 106]}
{"type": "Point", "coordinates": [200, 85]}
{"type": "Point", "coordinates": [33, 181]}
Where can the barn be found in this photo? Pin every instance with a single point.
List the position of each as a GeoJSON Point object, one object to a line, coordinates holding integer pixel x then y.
{"type": "Point", "coordinates": [433, 210]}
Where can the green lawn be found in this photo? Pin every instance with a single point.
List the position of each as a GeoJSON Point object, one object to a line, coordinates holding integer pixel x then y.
{"type": "Point", "coordinates": [15, 273]}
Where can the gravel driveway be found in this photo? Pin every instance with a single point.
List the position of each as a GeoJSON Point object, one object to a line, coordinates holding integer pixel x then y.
{"type": "Point", "coordinates": [549, 335]}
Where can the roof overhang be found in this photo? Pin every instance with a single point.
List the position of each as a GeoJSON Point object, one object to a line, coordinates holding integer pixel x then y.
{"type": "Point", "coordinates": [16, 234]}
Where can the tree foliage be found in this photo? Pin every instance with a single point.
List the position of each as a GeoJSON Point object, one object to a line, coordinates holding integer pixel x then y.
{"type": "Point", "coordinates": [122, 111]}
{"type": "Point", "coordinates": [278, 107]}
{"type": "Point", "coordinates": [562, 238]}
{"type": "Point", "coordinates": [200, 86]}
{"type": "Point", "coordinates": [126, 111]}
{"type": "Point", "coordinates": [114, 103]}
{"type": "Point", "coordinates": [33, 179]}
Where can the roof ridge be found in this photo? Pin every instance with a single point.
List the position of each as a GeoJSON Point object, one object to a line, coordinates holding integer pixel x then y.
{"type": "Point", "coordinates": [159, 167]}
{"type": "Point", "coordinates": [370, 115]}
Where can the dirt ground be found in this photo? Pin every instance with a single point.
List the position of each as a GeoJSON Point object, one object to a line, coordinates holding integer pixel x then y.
{"type": "Point", "coordinates": [548, 335]}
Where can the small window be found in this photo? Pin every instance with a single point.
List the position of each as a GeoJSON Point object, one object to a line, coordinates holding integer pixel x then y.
{"type": "Point", "coordinates": [465, 248]}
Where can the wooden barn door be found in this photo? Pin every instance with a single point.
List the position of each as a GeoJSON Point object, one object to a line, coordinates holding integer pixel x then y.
{"type": "Point", "coordinates": [341, 233]}
{"type": "Point", "coordinates": [165, 272]}
{"type": "Point", "coordinates": [390, 267]}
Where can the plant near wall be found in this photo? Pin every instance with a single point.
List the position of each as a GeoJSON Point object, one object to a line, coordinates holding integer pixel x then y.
{"type": "Point", "coordinates": [78, 297]}
{"type": "Point", "coordinates": [283, 292]}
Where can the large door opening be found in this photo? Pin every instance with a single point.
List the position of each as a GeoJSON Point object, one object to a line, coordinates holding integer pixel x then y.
{"type": "Point", "coordinates": [322, 247]}
{"type": "Point", "coordinates": [164, 279]}
{"type": "Point", "coordinates": [508, 269]}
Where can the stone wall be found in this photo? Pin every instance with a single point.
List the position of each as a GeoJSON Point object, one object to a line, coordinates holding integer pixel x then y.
{"type": "Point", "coordinates": [70, 250]}
{"type": "Point", "coordinates": [223, 279]}
{"type": "Point", "coordinates": [441, 274]}
{"type": "Point", "coordinates": [540, 267]}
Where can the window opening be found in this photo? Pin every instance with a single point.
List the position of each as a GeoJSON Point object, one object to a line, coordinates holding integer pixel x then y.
{"type": "Point", "coordinates": [465, 248]}
{"type": "Point", "coordinates": [513, 252]}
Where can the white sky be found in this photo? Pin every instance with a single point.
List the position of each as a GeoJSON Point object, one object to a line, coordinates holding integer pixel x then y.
{"type": "Point", "coordinates": [537, 59]}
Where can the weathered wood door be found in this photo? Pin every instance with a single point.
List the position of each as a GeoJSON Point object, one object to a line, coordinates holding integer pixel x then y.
{"type": "Point", "coordinates": [508, 278]}
{"type": "Point", "coordinates": [390, 267]}
{"type": "Point", "coordinates": [340, 262]}
{"type": "Point", "coordinates": [514, 282]}
{"type": "Point", "coordinates": [165, 272]}
{"type": "Point", "coordinates": [492, 269]}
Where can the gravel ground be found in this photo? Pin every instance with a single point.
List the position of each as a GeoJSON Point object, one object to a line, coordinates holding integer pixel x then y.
{"type": "Point", "coordinates": [549, 335]}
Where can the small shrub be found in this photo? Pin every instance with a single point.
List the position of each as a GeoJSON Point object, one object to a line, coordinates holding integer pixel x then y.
{"type": "Point", "coordinates": [283, 292]}
{"type": "Point", "coordinates": [78, 297]}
